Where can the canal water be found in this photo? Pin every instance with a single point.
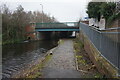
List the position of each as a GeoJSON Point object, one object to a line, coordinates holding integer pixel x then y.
{"type": "Point", "coordinates": [16, 57]}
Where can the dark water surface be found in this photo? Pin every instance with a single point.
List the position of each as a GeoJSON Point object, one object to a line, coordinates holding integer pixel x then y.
{"type": "Point", "coordinates": [17, 56]}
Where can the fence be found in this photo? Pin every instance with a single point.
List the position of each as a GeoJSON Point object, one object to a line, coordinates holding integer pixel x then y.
{"type": "Point", "coordinates": [107, 43]}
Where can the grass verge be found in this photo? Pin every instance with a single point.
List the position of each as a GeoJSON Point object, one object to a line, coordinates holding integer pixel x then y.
{"type": "Point", "coordinates": [83, 62]}
{"type": "Point", "coordinates": [35, 70]}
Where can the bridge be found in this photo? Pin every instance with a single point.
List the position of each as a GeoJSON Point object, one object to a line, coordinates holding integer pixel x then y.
{"type": "Point", "coordinates": [42, 31]}
{"type": "Point", "coordinates": [57, 26]}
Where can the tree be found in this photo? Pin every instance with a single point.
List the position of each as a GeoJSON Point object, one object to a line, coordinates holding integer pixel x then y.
{"type": "Point", "coordinates": [6, 22]}
{"type": "Point", "coordinates": [19, 21]}
{"type": "Point", "coordinates": [97, 9]}
{"type": "Point", "coordinates": [108, 9]}
{"type": "Point", "coordinates": [93, 10]}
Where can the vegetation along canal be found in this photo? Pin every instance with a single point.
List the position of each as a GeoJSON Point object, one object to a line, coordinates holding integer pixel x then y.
{"type": "Point", "coordinates": [18, 56]}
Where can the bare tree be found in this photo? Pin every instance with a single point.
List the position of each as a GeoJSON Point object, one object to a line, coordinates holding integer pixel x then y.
{"type": "Point", "coordinates": [13, 23]}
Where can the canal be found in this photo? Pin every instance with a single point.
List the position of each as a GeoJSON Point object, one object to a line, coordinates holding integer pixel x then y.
{"type": "Point", "coordinates": [16, 57]}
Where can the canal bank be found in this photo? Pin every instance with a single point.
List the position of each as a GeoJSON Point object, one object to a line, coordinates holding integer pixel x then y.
{"type": "Point", "coordinates": [35, 68]}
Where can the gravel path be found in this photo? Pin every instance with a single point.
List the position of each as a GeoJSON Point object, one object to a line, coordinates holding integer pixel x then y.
{"type": "Point", "coordinates": [62, 63]}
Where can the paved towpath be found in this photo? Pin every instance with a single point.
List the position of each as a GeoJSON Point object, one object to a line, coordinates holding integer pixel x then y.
{"type": "Point", "coordinates": [62, 63]}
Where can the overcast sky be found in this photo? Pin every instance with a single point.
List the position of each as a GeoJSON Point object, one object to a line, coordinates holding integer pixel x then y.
{"type": "Point", "coordinates": [62, 10]}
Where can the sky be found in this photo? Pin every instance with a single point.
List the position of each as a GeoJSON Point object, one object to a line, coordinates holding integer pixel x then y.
{"type": "Point", "coordinates": [62, 10]}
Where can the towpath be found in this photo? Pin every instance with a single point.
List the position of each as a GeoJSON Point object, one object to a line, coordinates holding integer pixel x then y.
{"type": "Point", "coordinates": [62, 63]}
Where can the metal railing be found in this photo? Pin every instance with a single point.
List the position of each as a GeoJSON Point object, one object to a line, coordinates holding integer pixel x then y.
{"type": "Point", "coordinates": [56, 25]}
{"type": "Point", "coordinates": [107, 43]}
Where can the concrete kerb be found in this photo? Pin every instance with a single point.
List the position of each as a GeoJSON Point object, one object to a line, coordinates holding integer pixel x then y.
{"type": "Point", "coordinates": [118, 75]}
{"type": "Point", "coordinates": [76, 63]}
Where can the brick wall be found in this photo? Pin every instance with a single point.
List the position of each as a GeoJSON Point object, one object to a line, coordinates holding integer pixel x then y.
{"type": "Point", "coordinates": [30, 32]}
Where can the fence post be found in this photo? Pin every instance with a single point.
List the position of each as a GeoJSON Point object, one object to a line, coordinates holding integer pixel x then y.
{"type": "Point", "coordinates": [100, 42]}
{"type": "Point", "coordinates": [118, 55]}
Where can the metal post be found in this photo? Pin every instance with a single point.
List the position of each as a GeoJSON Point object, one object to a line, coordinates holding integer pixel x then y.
{"type": "Point", "coordinates": [118, 45]}
{"type": "Point", "coordinates": [42, 12]}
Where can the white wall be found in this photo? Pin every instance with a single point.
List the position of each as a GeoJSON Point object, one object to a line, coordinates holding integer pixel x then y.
{"type": "Point", "coordinates": [95, 23]}
{"type": "Point", "coordinates": [102, 24]}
